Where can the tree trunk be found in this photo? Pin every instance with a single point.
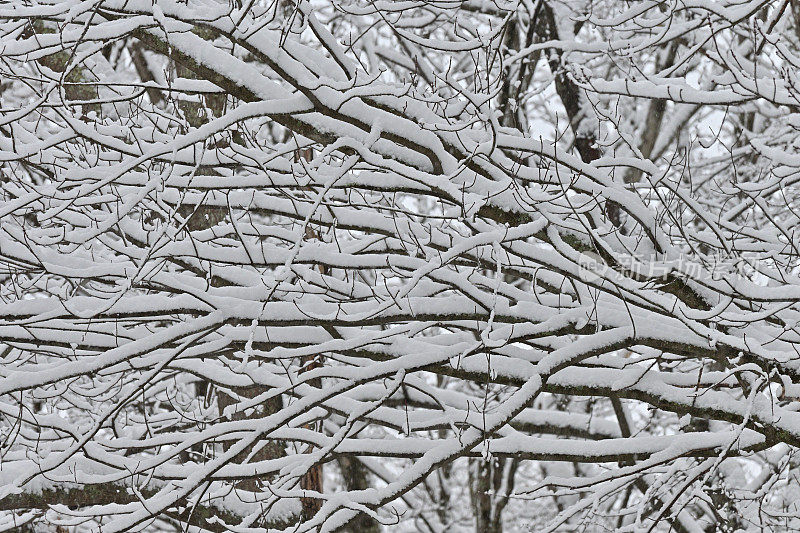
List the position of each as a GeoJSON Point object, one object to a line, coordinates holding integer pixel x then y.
{"type": "Point", "coordinates": [356, 477]}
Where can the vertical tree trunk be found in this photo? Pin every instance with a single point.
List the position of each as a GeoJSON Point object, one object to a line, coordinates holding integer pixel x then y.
{"type": "Point", "coordinates": [272, 449]}
{"type": "Point", "coordinates": [204, 217]}
{"type": "Point", "coordinates": [313, 479]}
{"type": "Point", "coordinates": [356, 477]}
{"type": "Point", "coordinates": [490, 483]}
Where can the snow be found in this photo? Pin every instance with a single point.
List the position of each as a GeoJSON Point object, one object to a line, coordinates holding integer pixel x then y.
{"type": "Point", "coordinates": [333, 247]}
